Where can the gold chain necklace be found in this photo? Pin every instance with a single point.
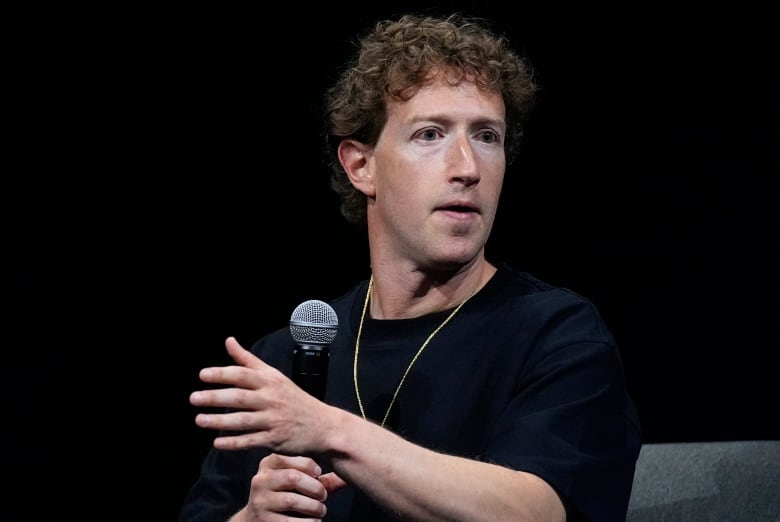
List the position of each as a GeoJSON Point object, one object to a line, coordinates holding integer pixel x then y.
{"type": "Point", "coordinates": [414, 359]}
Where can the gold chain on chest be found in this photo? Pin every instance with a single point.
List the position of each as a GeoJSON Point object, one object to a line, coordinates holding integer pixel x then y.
{"type": "Point", "coordinates": [411, 363]}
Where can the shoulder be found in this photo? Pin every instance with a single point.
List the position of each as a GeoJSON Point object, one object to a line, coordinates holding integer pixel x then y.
{"type": "Point", "coordinates": [522, 286]}
{"type": "Point", "coordinates": [547, 307]}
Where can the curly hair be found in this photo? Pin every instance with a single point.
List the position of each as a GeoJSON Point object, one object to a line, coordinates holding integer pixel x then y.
{"type": "Point", "coordinates": [395, 59]}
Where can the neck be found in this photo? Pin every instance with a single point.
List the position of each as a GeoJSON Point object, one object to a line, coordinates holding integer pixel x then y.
{"type": "Point", "coordinates": [416, 293]}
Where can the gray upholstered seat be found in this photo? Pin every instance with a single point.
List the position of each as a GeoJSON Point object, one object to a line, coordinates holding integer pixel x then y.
{"type": "Point", "coordinates": [730, 481]}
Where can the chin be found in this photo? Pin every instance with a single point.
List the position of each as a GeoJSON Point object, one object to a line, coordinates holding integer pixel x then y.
{"type": "Point", "coordinates": [453, 263]}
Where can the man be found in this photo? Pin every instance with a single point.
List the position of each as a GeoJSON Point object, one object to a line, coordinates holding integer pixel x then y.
{"type": "Point", "coordinates": [458, 388]}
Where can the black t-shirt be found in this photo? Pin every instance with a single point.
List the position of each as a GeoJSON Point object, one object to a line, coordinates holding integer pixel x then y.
{"type": "Point", "coordinates": [525, 375]}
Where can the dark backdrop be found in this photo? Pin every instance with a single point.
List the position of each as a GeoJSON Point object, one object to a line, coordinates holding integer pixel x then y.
{"type": "Point", "coordinates": [171, 192]}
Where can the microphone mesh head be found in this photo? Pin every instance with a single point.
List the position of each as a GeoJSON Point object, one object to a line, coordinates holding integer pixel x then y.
{"type": "Point", "coordinates": [314, 322]}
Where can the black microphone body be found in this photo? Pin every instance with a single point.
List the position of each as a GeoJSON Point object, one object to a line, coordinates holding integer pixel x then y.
{"type": "Point", "coordinates": [313, 327]}
{"type": "Point", "coordinates": [310, 368]}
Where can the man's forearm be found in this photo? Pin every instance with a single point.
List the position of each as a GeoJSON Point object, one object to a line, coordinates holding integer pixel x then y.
{"type": "Point", "coordinates": [421, 484]}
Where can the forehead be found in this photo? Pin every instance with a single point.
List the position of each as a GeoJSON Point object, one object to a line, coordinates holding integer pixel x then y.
{"type": "Point", "coordinates": [439, 97]}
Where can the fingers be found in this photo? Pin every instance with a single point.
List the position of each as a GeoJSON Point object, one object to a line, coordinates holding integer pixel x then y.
{"type": "Point", "coordinates": [222, 398]}
{"type": "Point", "coordinates": [291, 480]}
{"type": "Point", "coordinates": [287, 504]}
{"type": "Point", "coordinates": [331, 481]}
{"type": "Point", "coordinates": [245, 374]}
{"type": "Point", "coordinates": [244, 381]}
{"type": "Point", "coordinates": [304, 464]}
{"type": "Point", "coordinates": [255, 439]}
{"type": "Point", "coordinates": [258, 403]}
{"type": "Point", "coordinates": [287, 485]}
{"type": "Point", "coordinates": [232, 421]}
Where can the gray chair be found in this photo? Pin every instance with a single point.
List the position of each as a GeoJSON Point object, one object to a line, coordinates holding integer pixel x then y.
{"type": "Point", "coordinates": [730, 481]}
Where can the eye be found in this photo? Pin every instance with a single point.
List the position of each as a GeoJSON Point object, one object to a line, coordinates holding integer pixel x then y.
{"type": "Point", "coordinates": [429, 134]}
{"type": "Point", "coordinates": [488, 137]}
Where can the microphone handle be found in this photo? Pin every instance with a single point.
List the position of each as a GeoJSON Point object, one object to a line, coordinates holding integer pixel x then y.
{"type": "Point", "coordinates": [310, 368]}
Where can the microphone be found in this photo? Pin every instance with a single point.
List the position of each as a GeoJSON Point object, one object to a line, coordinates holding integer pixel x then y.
{"type": "Point", "coordinates": [313, 327]}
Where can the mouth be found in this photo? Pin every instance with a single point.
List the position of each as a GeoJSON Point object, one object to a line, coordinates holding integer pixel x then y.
{"type": "Point", "coordinates": [459, 208]}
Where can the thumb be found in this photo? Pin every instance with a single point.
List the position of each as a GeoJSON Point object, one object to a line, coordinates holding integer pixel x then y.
{"type": "Point", "coordinates": [241, 355]}
{"type": "Point", "coordinates": [332, 482]}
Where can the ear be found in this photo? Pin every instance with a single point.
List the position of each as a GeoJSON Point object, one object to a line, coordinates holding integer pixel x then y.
{"type": "Point", "coordinates": [355, 157]}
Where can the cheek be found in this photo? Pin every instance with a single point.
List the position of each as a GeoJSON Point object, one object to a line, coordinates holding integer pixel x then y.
{"type": "Point", "coordinates": [402, 197]}
{"type": "Point", "coordinates": [493, 176]}
{"type": "Point", "coordinates": [402, 203]}
{"type": "Point", "coordinates": [497, 186]}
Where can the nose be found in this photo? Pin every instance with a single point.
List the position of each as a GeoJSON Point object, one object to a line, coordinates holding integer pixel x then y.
{"type": "Point", "coordinates": [463, 162]}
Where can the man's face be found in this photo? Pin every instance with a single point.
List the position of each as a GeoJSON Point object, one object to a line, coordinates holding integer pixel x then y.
{"type": "Point", "coordinates": [437, 172]}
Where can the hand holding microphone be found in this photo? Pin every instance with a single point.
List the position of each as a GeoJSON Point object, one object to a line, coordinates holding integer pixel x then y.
{"type": "Point", "coordinates": [313, 327]}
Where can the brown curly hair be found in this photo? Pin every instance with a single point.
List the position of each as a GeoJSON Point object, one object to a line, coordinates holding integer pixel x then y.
{"type": "Point", "coordinates": [394, 59]}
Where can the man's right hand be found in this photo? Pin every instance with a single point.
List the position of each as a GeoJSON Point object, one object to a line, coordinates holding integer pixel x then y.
{"type": "Point", "coordinates": [288, 485]}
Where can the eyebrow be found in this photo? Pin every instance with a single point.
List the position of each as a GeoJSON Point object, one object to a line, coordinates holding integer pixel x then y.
{"type": "Point", "coordinates": [435, 117]}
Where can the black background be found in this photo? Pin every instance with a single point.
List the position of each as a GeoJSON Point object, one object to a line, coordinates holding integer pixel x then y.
{"type": "Point", "coordinates": [171, 192]}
